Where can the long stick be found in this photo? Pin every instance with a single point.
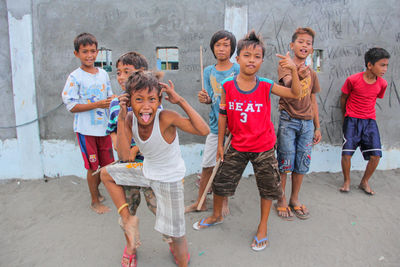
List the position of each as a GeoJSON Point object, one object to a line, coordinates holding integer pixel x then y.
{"type": "Point", "coordinates": [214, 172]}
{"type": "Point", "coordinates": [99, 169]}
{"type": "Point", "coordinates": [201, 67]}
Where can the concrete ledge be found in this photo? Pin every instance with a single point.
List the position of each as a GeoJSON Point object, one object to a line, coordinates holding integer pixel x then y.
{"type": "Point", "coordinates": [61, 158]}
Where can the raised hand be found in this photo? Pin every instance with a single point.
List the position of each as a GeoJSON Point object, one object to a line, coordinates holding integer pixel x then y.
{"type": "Point", "coordinates": [286, 61]}
{"type": "Point", "coordinates": [204, 97]}
{"type": "Point", "coordinates": [169, 89]}
{"type": "Point", "coordinates": [303, 71]}
{"type": "Point", "coordinates": [124, 102]}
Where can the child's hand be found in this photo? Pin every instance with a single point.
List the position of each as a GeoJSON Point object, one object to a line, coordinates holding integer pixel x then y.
{"type": "Point", "coordinates": [204, 97]}
{"type": "Point", "coordinates": [287, 62]}
{"type": "Point", "coordinates": [123, 103]}
{"type": "Point", "coordinates": [220, 153]}
{"type": "Point", "coordinates": [171, 96]}
{"type": "Point", "coordinates": [303, 71]}
{"type": "Point", "coordinates": [317, 136]}
{"type": "Point", "coordinates": [105, 103]}
{"type": "Point", "coordinates": [132, 154]}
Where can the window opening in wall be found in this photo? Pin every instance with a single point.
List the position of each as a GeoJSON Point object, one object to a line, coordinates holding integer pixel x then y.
{"type": "Point", "coordinates": [103, 59]}
{"type": "Point", "coordinates": [314, 60]}
{"type": "Point", "coordinates": [167, 58]}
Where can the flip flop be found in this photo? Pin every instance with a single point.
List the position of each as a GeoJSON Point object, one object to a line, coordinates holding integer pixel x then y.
{"type": "Point", "coordinates": [370, 193]}
{"type": "Point", "coordinates": [300, 215]}
{"type": "Point", "coordinates": [196, 225]}
{"type": "Point", "coordinates": [176, 260]}
{"type": "Point", "coordinates": [257, 248]}
{"type": "Point", "coordinates": [132, 259]}
{"type": "Point", "coordinates": [287, 209]}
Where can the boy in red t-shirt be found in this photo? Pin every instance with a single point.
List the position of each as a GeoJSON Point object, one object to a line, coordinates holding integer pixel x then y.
{"type": "Point", "coordinates": [358, 100]}
{"type": "Point", "coordinates": [246, 109]}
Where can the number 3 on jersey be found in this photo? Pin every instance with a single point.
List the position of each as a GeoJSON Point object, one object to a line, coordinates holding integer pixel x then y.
{"type": "Point", "coordinates": [244, 117]}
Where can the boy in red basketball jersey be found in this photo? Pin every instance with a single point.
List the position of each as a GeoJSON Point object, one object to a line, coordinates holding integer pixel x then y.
{"type": "Point", "coordinates": [246, 109]}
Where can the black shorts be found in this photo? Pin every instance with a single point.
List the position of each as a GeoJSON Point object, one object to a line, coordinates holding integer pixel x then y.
{"type": "Point", "coordinates": [363, 133]}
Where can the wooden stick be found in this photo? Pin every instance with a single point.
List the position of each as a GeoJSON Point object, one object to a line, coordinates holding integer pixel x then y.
{"type": "Point", "coordinates": [214, 172]}
{"type": "Point", "coordinates": [99, 169]}
{"type": "Point", "coordinates": [201, 67]}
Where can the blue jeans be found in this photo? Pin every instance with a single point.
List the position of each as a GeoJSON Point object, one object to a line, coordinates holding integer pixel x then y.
{"type": "Point", "coordinates": [295, 140]}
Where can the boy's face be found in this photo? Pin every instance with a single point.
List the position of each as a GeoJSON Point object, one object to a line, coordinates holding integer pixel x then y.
{"type": "Point", "coordinates": [87, 54]}
{"type": "Point", "coordinates": [302, 46]}
{"type": "Point", "coordinates": [380, 67]}
{"type": "Point", "coordinates": [123, 73]}
{"type": "Point", "coordinates": [250, 59]}
{"type": "Point", "coordinates": [144, 105]}
{"type": "Point", "coordinates": [222, 49]}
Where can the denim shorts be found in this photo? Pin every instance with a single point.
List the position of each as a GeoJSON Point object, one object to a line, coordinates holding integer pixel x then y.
{"type": "Point", "coordinates": [295, 140]}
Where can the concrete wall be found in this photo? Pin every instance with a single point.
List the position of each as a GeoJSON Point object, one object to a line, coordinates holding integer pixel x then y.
{"type": "Point", "coordinates": [345, 30]}
{"type": "Point", "coordinates": [7, 116]}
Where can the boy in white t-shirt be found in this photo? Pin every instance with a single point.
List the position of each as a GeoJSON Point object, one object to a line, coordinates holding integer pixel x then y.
{"type": "Point", "coordinates": [87, 93]}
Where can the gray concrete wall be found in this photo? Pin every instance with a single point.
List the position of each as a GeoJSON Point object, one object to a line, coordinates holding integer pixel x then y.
{"type": "Point", "coordinates": [7, 116]}
{"type": "Point", "coordinates": [345, 30]}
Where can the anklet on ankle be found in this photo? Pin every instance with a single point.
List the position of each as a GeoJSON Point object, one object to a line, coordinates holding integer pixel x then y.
{"type": "Point", "coordinates": [122, 207]}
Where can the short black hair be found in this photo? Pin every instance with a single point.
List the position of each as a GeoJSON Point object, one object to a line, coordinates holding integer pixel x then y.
{"type": "Point", "coordinates": [222, 34]}
{"type": "Point", "coordinates": [84, 39]}
{"type": "Point", "coordinates": [375, 54]}
{"type": "Point", "coordinates": [300, 30]}
{"type": "Point", "coordinates": [251, 39]}
{"type": "Point", "coordinates": [140, 80]}
{"type": "Point", "coordinates": [134, 59]}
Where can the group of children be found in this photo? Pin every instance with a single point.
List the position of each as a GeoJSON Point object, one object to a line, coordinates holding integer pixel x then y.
{"type": "Point", "coordinates": [145, 136]}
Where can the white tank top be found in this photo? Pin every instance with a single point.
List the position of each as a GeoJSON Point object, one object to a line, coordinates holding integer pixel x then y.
{"type": "Point", "coordinates": [162, 161]}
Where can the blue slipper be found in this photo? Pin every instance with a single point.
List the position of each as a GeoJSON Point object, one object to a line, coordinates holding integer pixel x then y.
{"type": "Point", "coordinates": [257, 248]}
{"type": "Point", "coordinates": [196, 225]}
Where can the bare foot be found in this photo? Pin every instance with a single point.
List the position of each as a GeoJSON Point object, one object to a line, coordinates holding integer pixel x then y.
{"type": "Point", "coordinates": [225, 207]}
{"type": "Point", "coordinates": [131, 229]}
{"type": "Point", "coordinates": [366, 188]}
{"type": "Point", "coordinates": [345, 187]}
{"type": "Point", "coordinates": [99, 208]}
{"type": "Point", "coordinates": [101, 198]}
{"type": "Point", "coordinates": [193, 208]}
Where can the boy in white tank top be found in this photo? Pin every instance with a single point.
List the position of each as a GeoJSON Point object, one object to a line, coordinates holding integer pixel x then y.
{"type": "Point", "coordinates": [155, 133]}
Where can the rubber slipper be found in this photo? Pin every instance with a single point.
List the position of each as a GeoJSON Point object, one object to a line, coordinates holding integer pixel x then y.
{"type": "Point", "coordinates": [196, 225]}
{"type": "Point", "coordinates": [132, 259]}
{"type": "Point", "coordinates": [257, 248]}
{"type": "Point", "coordinates": [280, 209]}
{"type": "Point", "coordinates": [300, 215]}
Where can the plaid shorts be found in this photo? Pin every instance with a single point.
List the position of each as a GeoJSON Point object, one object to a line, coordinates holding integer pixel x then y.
{"type": "Point", "coordinates": [170, 214]}
{"type": "Point", "coordinates": [265, 168]}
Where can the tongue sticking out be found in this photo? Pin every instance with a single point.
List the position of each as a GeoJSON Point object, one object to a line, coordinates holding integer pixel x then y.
{"type": "Point", "coordinates": [146, 117]}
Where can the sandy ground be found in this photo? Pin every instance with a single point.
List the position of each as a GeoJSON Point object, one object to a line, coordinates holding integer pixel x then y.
{"type": "Point", "coordinates": [50, 224]}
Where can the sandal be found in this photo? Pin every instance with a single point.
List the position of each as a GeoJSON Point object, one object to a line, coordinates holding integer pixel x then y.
{"type": "Point", "coordinates": [132, 259]}
{"type": "Point", "coordinates": [299, 212]}
{"type": "Point", "coordinates": [281, 209]}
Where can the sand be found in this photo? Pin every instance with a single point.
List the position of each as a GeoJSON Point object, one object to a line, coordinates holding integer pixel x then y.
{"type": "Point", "coordinates": [50, 224]}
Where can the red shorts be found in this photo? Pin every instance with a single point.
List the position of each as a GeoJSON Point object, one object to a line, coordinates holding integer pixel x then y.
{"type": "Point", "coordinates": [96, 150]}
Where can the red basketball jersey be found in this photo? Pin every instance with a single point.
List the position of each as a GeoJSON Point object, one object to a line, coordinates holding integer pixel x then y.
{"type": "Point", "coordinates": [249, 115]}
